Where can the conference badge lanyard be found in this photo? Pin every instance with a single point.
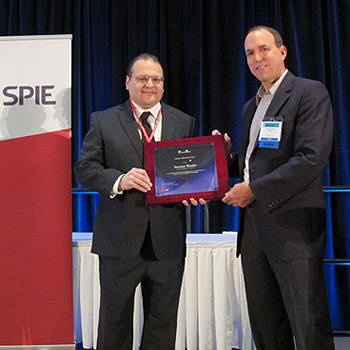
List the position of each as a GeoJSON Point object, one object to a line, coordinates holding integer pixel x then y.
{"type": "Point", "coordinates": [270, 132]}
{"type": "Point", "coordinates": [147, 137]}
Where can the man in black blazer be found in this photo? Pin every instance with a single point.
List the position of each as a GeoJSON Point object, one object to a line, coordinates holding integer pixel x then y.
{"type": "Point", "coordinates": [135, 242]}
{"type": "Point", "coordinates": [286, 141]}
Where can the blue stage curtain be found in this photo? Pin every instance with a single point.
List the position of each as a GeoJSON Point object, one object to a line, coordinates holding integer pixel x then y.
{"type": "Point", "coordinates": [200, 44]}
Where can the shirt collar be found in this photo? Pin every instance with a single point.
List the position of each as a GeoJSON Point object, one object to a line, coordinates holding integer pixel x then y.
{"type": "Point", "coordinates": [261, 92]}
{"type": "Point", "coordinates": [154, 110]}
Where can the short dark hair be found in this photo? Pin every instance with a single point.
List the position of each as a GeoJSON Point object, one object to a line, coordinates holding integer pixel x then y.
{"type": "Point", "coordinates": [143, 56]}
{"type": "Point", "coordinates": [274, 32]}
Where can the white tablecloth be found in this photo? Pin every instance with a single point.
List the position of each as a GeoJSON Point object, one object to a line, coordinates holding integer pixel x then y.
{"type": "Point", "coordinates": [212, 310]}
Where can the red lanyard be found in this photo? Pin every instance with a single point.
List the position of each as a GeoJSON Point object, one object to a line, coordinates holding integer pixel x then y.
{"type": "Point", "coordinates": [147, 137]}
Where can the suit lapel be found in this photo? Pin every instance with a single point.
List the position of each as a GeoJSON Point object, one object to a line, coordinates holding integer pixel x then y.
{"type": "Point", "coordinates": [168, 123]}
{"type": "Point", "coordinates": [282, 94]}
{"type": "Point", "coordinates": [248, 115]}
{"type": "Point", "coordinates": [129, 124]}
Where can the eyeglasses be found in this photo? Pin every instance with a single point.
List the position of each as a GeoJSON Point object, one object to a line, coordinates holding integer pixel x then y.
{"type": "Point", "coordinates": [143, 79]}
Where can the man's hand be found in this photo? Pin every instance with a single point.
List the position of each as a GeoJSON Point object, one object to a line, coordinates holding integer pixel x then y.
{"type": "Point", "coordinates": [228, 145]}
{"type": "Point", "coordinates": [227, 140]}
{"type": "Point", "coordinates": [240, 195]}
{"type": "Point", "coordinates": [135, 178]}
{"type": "Point", "coordinates": [193, 202]}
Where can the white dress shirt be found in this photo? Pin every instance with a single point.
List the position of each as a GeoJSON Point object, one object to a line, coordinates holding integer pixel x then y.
{"type": "Point", "coordinates": [155, 110]}
{"type": "Point", "coordinates": [263, 100]}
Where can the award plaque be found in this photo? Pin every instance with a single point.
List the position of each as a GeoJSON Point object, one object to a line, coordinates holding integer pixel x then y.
{"type": "Point", "coordinates": [181, 169]}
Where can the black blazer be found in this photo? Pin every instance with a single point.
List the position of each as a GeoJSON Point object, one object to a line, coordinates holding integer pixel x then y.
{"type": "Point", "coordinates": [288, 182]}
{"type": "Point", "coordinates": [111, 148]}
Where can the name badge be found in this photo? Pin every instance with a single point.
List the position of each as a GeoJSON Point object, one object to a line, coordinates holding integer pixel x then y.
{"type": "Point", "coordinates": [270, 134]}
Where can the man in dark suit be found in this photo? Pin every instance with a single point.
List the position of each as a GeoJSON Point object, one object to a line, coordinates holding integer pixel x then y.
{"type": "Point", "coordinates": [286, 141]}
{"type": "Point", "coordinates": [135, 242]}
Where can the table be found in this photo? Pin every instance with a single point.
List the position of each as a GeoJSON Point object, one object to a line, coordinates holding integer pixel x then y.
{"type": "Point", "coordinates": [212, 308]}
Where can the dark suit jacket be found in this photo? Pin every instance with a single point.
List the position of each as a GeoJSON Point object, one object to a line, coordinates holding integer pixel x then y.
{"type": "Point", "coordinates": [111, 148]}
{"type": "Point", "coordinates": [287, 182]}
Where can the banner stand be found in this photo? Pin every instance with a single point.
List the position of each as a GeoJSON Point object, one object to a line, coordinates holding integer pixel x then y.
{"type": "Point", "coordinates": [36, 294]}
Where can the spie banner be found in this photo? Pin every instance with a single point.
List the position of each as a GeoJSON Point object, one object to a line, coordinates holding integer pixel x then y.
{"type": "Point", "coordinates": [35, 192]}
